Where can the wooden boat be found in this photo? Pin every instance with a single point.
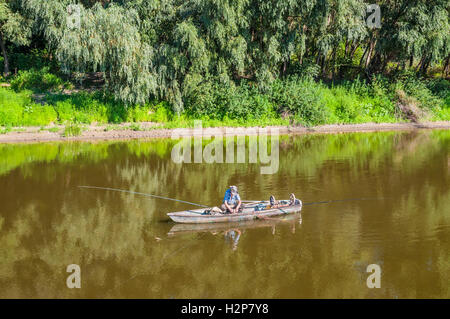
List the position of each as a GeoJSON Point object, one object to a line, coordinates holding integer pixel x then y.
{"type": "Point", "coordinates": [258, 210]}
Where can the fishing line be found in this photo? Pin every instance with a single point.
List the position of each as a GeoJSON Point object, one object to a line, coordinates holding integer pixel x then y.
{"type": "Point", "coordinates": [200, 205]}
{"type": "Point", "coordinates": [143, 194]}
{"type": "Point", "coordinates": [338, 200]}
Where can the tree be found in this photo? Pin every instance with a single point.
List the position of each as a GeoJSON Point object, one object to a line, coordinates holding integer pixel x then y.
{"type": "Point", "coordinates": [410, 29]}
{"type": "Point", "coordinates": [170, 49]}
{"type": "Point", "coordinates": [13, 28]}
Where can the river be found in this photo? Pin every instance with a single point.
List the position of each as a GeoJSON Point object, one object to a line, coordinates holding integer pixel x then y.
{"type": "Point", "coordinates": [369, 198]}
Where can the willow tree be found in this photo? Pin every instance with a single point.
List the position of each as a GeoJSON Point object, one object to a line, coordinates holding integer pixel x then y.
{"type": "Point", "coordinates": [172, 49]}
{"type": "Point", "coordinates": [417, 29]}
{"type": "Point", "coordinates": [334, 24]}
{"type": "Point", "coordinates": [13, 28]}
{"type": "Point", "coordinates": [98, 38]}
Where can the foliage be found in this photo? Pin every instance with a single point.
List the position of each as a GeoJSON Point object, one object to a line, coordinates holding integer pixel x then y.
{"type": "Point", "coordinates": [18, 109]}
{"type": "Point", "coordinates": [38, 79]}
{"type": "Point", "coordinates": [168, 50]}
{"type": "Point", "coordinates": [33, 59]}
{"type": "Point", "coordinates": [294, 99]}
{"type": "Point", "coordinates": [215, 101]}
{"type": "Point", "coordinates": [72, 130]}
{"type": "Point", "coordinates": [14, 28]}
{"type": "Point", "coordinates": [301, 98]}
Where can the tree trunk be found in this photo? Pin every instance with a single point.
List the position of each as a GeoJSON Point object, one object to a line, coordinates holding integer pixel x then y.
{"type": "Point", "coordinates": [426, 66]}
{"type": "Point", "coordinates": [322, 66]}
{"type": "Point", "coordinates": [369, 54]}
{"type": "Point", "coordinates": [333, 64]}
{"type": "Point", "coordinates": [420, 65]}
{"type": "Point", "coordinates": [5, 55]}
{"type": "Point", "coordinates": [446, 68]}
{"type": "Point", "coordinates": [364, 54]}
{"type": "Point", "coordinates": [352, 52]}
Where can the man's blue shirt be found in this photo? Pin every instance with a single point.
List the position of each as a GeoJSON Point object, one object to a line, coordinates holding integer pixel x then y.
{"type": "Point", "coordinates": [231, 199]}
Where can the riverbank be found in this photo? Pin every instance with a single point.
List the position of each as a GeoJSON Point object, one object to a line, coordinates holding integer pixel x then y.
{"type": "Point", "coordinates": [151, 130]}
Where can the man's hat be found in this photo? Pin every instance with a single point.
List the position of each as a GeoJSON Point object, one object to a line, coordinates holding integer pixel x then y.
{"type": "Point", "coordinates": [233, 189]}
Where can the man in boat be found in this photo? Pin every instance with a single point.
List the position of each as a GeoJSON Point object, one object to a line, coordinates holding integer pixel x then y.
{"type": "Point", "coordinates": [232, 201]}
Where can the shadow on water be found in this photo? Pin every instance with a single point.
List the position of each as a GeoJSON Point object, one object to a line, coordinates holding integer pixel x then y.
{"type": "Point", "coordinates": [233, 231]}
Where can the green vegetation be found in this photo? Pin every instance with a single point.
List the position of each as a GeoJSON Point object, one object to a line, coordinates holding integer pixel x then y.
{"type": "Point", "coordinates": [235, 63]}
{"type": "Point", "coordinates": [293, 100]}
{"type": "Point", "coordinates": [39, 80]}
{"type": "Point", "coordinates": [53, 129]}
{"type": "Point", "coordinates": [72, 130]}
{"type": "Point", "coordinates": [18, 109]}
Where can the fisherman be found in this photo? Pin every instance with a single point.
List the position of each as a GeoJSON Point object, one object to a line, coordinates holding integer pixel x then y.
{"type": "Point", "coordinates": [231, 201]}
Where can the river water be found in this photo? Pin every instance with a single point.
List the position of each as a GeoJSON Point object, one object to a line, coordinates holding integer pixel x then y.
{"type": "Point", "coordinates": [386, 201]}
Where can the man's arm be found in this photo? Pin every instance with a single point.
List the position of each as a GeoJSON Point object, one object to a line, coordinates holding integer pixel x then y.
{"type": "Point", "coordinates": [228, 207]}
{"type": "Point", "coordinates": [238, 205]}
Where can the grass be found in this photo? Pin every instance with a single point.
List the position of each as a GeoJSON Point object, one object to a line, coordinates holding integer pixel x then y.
{"type": "Point", "coordinates": [288, 101]}
{"type": "Point", "coordinates": [39, 80]}
{"type": "Point", "coordinates": [5, 130]}
{"type": "Point", "coordinates": [53, 129]}
{"type": "Point", "coordinates": [72, 130]}
{"type": "Point", "coordinates": [135, 127]}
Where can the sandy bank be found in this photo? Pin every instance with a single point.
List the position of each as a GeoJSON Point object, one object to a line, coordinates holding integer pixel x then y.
{"type": "Point", "coordinates": [99, 132]}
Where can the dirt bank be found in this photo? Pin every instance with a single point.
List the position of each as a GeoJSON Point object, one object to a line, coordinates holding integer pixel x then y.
{"type": "Point", "coordinates": [100, 132]}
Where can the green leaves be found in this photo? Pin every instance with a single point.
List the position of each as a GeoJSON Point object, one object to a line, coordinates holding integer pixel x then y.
{"type": "Point", "coordinates": [166, 49]}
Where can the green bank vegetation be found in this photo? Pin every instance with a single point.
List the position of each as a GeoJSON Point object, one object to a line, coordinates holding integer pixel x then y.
{"type": "Point", "coordinates": [290, 101]}
{"type": "Point", "coordinates": [228, 64]}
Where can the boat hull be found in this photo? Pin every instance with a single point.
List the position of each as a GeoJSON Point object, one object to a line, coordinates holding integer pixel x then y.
{"type": "Point", "coordinates": [249, 213]}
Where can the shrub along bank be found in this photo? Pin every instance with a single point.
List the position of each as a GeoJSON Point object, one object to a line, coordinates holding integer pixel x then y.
{"type": "Point", "coordinates": [292, 100]}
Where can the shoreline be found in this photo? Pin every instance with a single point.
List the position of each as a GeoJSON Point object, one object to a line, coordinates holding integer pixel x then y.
{"type": "Point", "coordinates": [99, 132]}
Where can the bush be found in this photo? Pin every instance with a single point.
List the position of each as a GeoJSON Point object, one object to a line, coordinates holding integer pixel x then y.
{"type": "Point", "coordinates": [39, 80]}
{"type": "Point", "coordinates": [246, 102]}
{"type": "Point", "coordinates": [203, 101]}
{"type": "Point", "coordinates": [18, 109]}
{"type": "Point", "coordinates": [217, 102]}
{"type": "Point", "coordinates": [80, 108]}
{"type": "Point", "coordinates": [35, 58]}
{"type": "Point", "coordinates": [302, 98]}
{"type": "Point", "coordinates": [36, 114]}
{"type": "Point", "coordinates": [294, 98]}
{"type": "Point", "coordinates": [344, 105]}
{"type": "Point", "coordinates": [161, 113]}
{"type": "Point", "coordinates": [12, 105]}
{"type": "Point", "coordinates": [430, 94]}
{"type": "Point", "coordinates": [72, 130]}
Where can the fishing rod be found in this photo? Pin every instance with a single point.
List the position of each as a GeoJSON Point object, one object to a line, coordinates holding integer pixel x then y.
{"type": "Point", "coordinates": [338, 200]}
{"type": "Point", "coordinates": [143, 194]}
{"type": "Point", "coordinates": [200, 205]}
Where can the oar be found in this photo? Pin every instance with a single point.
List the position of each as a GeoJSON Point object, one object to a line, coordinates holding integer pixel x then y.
{"type": "Point", "coordinates": [143, 194]}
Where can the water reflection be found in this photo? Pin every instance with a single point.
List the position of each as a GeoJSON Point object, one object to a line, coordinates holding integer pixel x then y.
{"type": "Point", "coordinates": [122, 245]}
{"type": "Point", "coordinates": [233, 235]}
{"type": "Point", "coordinates": [232, 231]}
